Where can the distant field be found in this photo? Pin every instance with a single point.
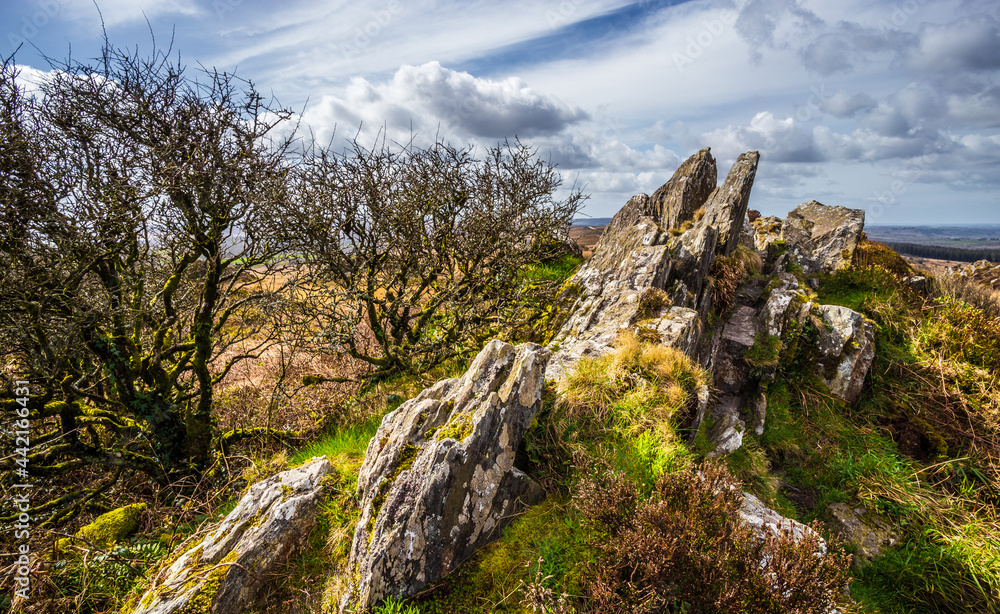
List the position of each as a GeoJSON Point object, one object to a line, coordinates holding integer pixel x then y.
{"type": "Point", "coordinates": [986, 236]}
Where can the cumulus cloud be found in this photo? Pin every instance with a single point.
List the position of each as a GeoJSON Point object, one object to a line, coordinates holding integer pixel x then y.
{"type": "Point", "coordinates": [782, 140]}
{"type": "Point", "coordinates": [427, 97]}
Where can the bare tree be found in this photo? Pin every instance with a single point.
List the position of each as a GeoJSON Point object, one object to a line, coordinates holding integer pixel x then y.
{"type": "Point", "coordinates": [138, 249]}
{"type": "Point", "coordinates": [411, 253]}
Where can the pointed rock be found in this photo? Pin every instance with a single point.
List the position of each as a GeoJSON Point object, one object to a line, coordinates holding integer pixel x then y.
{"type": "Point", "coordinates": [727, 208]}
{"type": "Point", "coordinates": [438, 479]}
{"type": "Point", "coordinates": [676, 201]}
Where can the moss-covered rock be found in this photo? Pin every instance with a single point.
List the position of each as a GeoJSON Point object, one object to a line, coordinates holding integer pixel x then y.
{"type": "Point", "coordinates": [107, 529]}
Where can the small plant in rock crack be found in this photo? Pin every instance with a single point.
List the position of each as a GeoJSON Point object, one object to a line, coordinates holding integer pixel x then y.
{"type": "Point", "coordinates": [539, 598]}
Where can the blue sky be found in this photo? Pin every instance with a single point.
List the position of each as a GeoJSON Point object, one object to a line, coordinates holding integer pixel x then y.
{"type": "Point", "coordinates": [893, 107]}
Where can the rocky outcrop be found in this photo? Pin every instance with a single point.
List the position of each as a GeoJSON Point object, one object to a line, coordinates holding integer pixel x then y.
{"type": "Point", "coordinates": [630, 259]}
{"type": "Point", "coordinates": [743, 355]}
{"type": "Point", "coordinates": [439, 481]}
{"type": "Point", "coordinates": [862, 528]}
{"type": "Point", "coordinates": [822, 238]}
{"type": "Point", "coordinates": [676, 201]}
{"type": "Point", "coordinates": [726, 210]}
{"type": "Point", "coordinates": [665, 242]}
{"type": "Point", "coordinates": [846, 347]}
{"type": "Point", "coordinates": [223, 572]}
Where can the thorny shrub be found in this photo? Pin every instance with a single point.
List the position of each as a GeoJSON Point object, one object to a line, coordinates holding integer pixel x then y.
{"type": "Point", "coordinates": [685, 549]}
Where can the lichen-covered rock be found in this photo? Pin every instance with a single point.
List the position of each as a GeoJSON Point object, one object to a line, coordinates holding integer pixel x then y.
{"type": "Point", "coordinates": [823, 238]}
{"type": "Point", "coordinates": [666, 242]}
{"type": "Point", "coordinates": [677, 327]}
{"type": "Point", "coordinates": [846, 347]}
{"type": "Point", "coordinates": [630, 258]}
{"type": "Point", "coordinates": [726, 210]}
{"type": "Point", "coordinates": [222, 573]}
{"type": "Point", "coordinates": [763, 520]}
{"type": "Point", "coordinates": [861, 527]}
{"type": "Point", "coordinates": [676, 201]}
{"type": "Point", "coordinates": [438, 479]}
{"type": "Point", "coordinates": [693, 253]}
{"type": "Point", "coordinates": [775, 311]}
{"type": "Point", "coordinates": [766, 231]}
{"type": "Point", "coordinates": [652, 243]}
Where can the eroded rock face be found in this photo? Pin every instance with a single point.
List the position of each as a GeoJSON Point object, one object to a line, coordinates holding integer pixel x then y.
{"type": "Point", "coordinates": [847, 347]}
{"type": "Point", "coordinates": [439, 481]}
{"type": "Point", "coordinates": [822, 238]}
{"type": "Point", "coordinates": [222, 573]}
{"type": "Point", "coordinates": [727, 208]}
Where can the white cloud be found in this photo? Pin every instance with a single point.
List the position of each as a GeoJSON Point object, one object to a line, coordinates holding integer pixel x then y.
{"type": "Point", "coordinates": [119, 12]}
{"type": "Point", "coordinates": [429, 99]}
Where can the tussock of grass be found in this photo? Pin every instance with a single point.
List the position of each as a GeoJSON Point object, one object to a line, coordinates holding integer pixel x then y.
{"type": "Point", "coordinates": [638, 388]}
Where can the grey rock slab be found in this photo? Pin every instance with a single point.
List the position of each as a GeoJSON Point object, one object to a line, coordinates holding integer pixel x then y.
{"type": "Point", "coordinates": [726, 210]}
{"type": "Point", "coordinates": [847, 347]}
{"type": "Point", "coordinates": [676, 201]}
{"type": "Point", "coordinates": [438, 480]}
{"type": "Point", "coordinates": [823, 238]}
{"type": "Point", "coordinates": [223, 571]}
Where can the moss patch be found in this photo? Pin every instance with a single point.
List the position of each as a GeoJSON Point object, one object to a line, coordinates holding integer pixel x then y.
{"type": "Point", "coordinates": [108, 529]}
{"type": "Point", "coordinates": [458, 427]}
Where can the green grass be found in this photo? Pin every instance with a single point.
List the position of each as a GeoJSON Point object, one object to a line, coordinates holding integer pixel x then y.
{"type": "Point", "coordinates": [558, 270]}
{"type": "Point", "coordinates": [351, 442]}
{"type": "Point", "coordinates": [548, 544]}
